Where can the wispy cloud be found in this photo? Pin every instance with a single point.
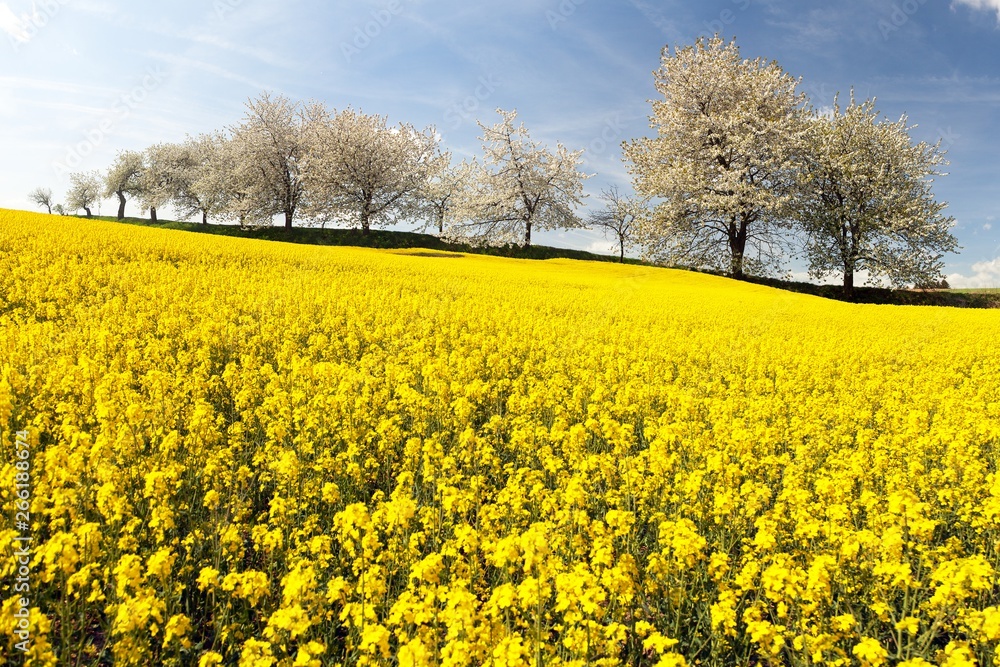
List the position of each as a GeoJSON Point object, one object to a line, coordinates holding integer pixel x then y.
{"type": "Point", "coordinates": [183, 62]}
{"type": "Point", "coordinates": [984, 5]}
{"type": "Point", "coordinates": [656, 16]}
{"type": "Point", "coordinates": [955, 89]}
{"type": "Point", "coordinates": [11, 84]}
{"type": "Point", "coordinates": [265, 56]}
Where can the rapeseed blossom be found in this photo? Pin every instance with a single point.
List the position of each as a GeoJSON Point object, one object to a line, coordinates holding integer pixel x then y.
{"type": "Point", "coordinates": [275, 455]}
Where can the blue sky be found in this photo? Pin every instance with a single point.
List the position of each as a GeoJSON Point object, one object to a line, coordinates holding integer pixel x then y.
{"type": "Point", "coordinates": [82, 79]}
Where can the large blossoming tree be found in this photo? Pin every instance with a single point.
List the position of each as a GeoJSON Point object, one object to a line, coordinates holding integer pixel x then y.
{"type": "Point", "coordinates": [723, 161]}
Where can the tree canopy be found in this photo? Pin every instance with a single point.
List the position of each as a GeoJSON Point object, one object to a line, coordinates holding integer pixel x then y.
{"type": "Point", "coordinates": [723, 161]}
{"type": "Point", "coordinates": [519, 186]}
{"type": "Point", "coordinates": [865, 201]}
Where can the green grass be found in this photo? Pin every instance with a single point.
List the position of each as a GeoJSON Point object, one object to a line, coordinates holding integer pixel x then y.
{"type": "Point", "coordinates": [957, 298]}
{"type": "Point", "coordinates": [376, 238]}
{"type": "Point", "coordinates": [380, 238]}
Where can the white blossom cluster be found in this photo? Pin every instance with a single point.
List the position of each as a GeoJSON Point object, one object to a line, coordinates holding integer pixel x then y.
{"type": "Point", "coordinates": [743, 172]}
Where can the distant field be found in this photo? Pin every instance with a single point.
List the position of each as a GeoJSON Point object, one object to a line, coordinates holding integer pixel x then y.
{"type": "Point", "coordinates": [270, 454]}
{"type": "Point", "coordinates": [981, 290]}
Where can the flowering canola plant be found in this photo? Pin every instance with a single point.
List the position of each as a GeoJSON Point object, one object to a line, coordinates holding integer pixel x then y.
{"type": "Point", "coordinates": [262, 454]}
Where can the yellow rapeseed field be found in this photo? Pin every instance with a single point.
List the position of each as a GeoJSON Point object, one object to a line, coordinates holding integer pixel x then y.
{"type": "Point", "coordinates": [255, 454]}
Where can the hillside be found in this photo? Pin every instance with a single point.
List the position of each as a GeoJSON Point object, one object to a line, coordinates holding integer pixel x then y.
{"type": "Point", "coordinates": [244, 452]}
{"type": "Point", "coordinates": [389, 239]}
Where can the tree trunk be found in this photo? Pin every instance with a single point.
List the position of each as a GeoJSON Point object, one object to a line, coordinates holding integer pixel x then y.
{"type": "Point", "coordinates": [737, 246]}
{"type": "Point", "coordinates": [288, 219]}
{"type": "Point", "coordinates": [152, 214]}
{"type": "Point", "coordinates": [87, 210]}
{"type": "Point", "coordinates": [736, 271]}
{"type": "Point", "coordinates": [848, 282]}
{"type": "Point", "coordinates": [204, 217]}
{"type": "Point", "coordinates": [527, 235]}
{"type": "Point", "coordinates": [121, 205]}
{"type": "Point", "coordinates": [621, 257]}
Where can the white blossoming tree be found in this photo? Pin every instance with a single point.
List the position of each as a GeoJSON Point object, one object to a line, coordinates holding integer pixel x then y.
{"type": "Point", "coordinates": [271, 142]}
{"type": "Point", "coordinates": [361, 171]}
{"type": "Point", "coordinates": [440, 194]}
{"type": "Point", "coordinates": [723, 161]}
{"type": "Point", "coordinates": [519, 187]}
{"type": "Point", "coordinates": [85, 191]}
{"type": "Point", "coordinates": [202, 172]}
{"type": "Point", "coordinates": [163, 172]}
{"type": "Point", "coordinates": [234, 183]}
{"type": "Point", "coordinates": [124, 177]}
{"type": "Point", "coordinates": [866, 201]}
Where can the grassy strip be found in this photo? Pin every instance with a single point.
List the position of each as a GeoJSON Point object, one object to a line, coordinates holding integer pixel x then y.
{"type": "Point", "coordinates": [376, 238]}
{"type": "Point", "coordinates": [897, 297]}
{"type": "Point", "coordinates": [380, 238]}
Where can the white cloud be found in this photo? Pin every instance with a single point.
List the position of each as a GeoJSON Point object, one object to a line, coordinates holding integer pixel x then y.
{"type": "Point", "coordinates": [183, 63]}
{"type": "Point", "coordinates": [981, 4]}
{"type": "Point", "coordinates": [986, 274]}
{"type": "Point", "coordinates": [601, 247]}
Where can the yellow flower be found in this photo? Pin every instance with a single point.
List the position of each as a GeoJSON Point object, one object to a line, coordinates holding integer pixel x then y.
{"type": "Point", "coordinates": [480, 460]}
{"type": "Point", "coordinates": [211, 500]}
{"type": "Point", "coordinates": [957, 654]}
{"type": "Point", "coordinates": [375, 637]}
{"type": "Point", "coordinates": [672, 660]}
{"type": "Point", "coordinates": [209, 659]}
{"type": "Point", "coordinates": [510, 652]}
{"type": "Point", "coordinates": [208, 578]}
{"type": "Point", "coordinates": [293, 620]}
{"type": "Point", "coordinates": [414, 654]}
{"type": "Point", "coordinates": [127, 573]}
{"type": "Point", "coordinates": [256, 654]}
{"type": "Point", "coordinates": [159, 564]}
{"type": "Point", "coordinates": [177, 627]}
{"type": "Point", "coordinates": [308, 655]}
{"type": "Point", "coordinates": [870, 652]}
{"type": "Point", "coordinates": [909, 624]}
{"type": "Point", "coordinates": [659, 643]}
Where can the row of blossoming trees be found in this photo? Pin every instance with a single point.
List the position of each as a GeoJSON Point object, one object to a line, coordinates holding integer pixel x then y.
{"type": "Point", "coordinates": [743, 172]}
{"type": "Point", "coordinates": [307, 162]}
